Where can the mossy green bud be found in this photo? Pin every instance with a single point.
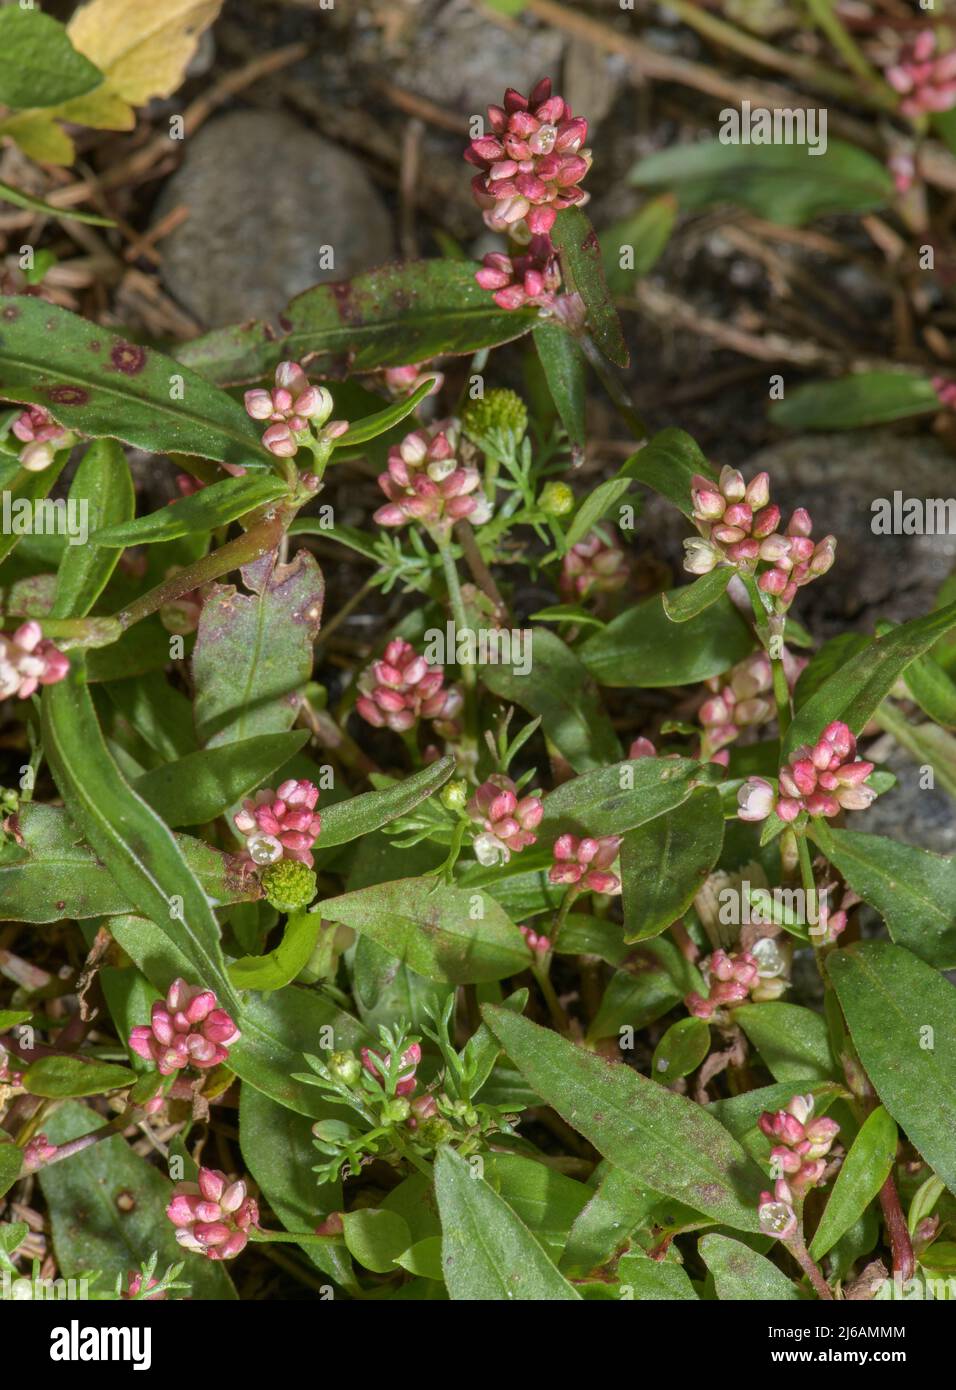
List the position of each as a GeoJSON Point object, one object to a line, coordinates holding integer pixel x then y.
{"type": "Point", "coordinates": [288, 885]}
{"type": "Point", "coordinates": [454, 795]}
{"type": "Point", "coordinates": [497, 410]}
{"type": "Point", "coordinates": [345, 1067]}
{"type": "Point", "coordinates": [396, 1110]}
{"type": "Point", "coordinates": [556, 499]}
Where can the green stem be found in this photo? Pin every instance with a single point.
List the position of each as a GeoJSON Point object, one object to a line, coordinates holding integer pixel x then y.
{"type": "Point", "coordinates": [802, 1256]}
{"type": "Point", "coordinates": [781, 695]}
{"type": "Point", "coordinates": [453, 585]}
{"type": "Point", "coordinates": [829, 22]}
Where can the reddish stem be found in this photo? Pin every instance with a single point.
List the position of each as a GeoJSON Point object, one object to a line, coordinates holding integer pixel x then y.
{"type": "Point", "coordinates": [904, 1261]}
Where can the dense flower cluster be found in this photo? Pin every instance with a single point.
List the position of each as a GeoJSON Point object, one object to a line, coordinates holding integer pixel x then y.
{"type": "Point", "coordinates": [586, 863]}
{"type": "Point", "coordinates": [187, 1028]}
{"type": "Point", "coordinates": [402, 688]}
{"type": "Point", "coordinates": [425, 481]}
{"type": "Point", "coordinates": [820, 780]}
{"type": "Point", "coordinates": [926, 82]}
{"type": "Point", "coordinates": [801, 1143]}
{"type": "Point", "coordinates": [292, 407]}
{"type": "Point", "coordinates": [736, 702]}
{"type": "Point", "coordinates": [594, 565]}
{"type": "Point", "coordinates": [530, 165]}
{"type": "Point", "coordinates": [213, 1216]}
{"type": "Point", "coordinates": [738, 526]}
{"type": "Point", "coordinates": [281, 823]}
{"type": "Point", "coordinates": [37, 429]}
{"type": "Point", "coordinates": [537, 941]}
{"type": "Point", "coordinates": [507, 821]}
{"type": "Point", "coordinates": [28, 660]}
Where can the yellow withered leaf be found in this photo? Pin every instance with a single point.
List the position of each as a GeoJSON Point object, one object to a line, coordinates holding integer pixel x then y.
{"type": "Point", "coordinates": [39, 137]}
{"type": "Point", "coordinates": [142, 49]}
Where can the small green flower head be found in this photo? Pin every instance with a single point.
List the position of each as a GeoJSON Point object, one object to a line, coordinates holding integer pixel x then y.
{"type": "Point", "coordinates": [396, 1110]}
{"type": "Point", "coordinates": [454, 795]}
{"type": "Point", "coordinates": [498, 410]}
{"type": "Point", "coordinates": [556, 499]}
{"type": "Point", "coordinates": [345, 1067]}
{"type": "Point", "coordinates": [288, 885]}
{"type": "Point", "coordinates": [430, 1133]}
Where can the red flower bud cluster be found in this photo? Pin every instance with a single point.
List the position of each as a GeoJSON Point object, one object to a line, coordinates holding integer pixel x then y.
{"type": "Point", "coordinates": [738, 525]}
{"type": "Point", "coordinates": [425, 482]}
{"type": "Point", "coordinates": [374, 1061]}
{"type": "Point", "coordinates": [730, 980]}
{"type": "Point", "coordinates": [801, 1143]}
{"type": "Point", "coordinates": [28, 660]}
{"type": "Point", "coordinates": [281, 824]}
{"type": "Point", "coordinates": [187, 1028]}
{"type": "Point", "coordinates": [927, 83]}
{"type": "Point", "coordinates": [37, 429]}
{"type": "Point", "coordinates": [820, 780]}
{"type": "Point", "coordinates": [292, 407]}
{"type": "Point", "coordinates": [507, 820]}
{"type": "Point", "coordinates": [586, 863]}
{"type": "Point", "coordinates": [594, 565]}
{"type": "Point", "coordinates": [402, 688]}
{"type": "Point", "coordinates": [213, 1216]}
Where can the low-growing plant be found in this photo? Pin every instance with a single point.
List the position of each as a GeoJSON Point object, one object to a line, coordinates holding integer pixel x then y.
{"type": "Point", "coordinates": [461, 966]}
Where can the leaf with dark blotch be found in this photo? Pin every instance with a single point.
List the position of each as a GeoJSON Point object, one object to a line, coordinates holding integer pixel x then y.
{"type": "Point", "coordinates": [384, 318]}
{"type": "Point", "coordinates": [53, 876]}
{"type": "Point", "coordinates": [107, 1209]}
{"type": "Point", "coordinates": [253, 652]}
{"type": "Point", "coordinates": [742, 1274]}
{"type": "Point", "coordinates": [99, 384]}
{"type": "Point", "coordinates": [658, 1136]}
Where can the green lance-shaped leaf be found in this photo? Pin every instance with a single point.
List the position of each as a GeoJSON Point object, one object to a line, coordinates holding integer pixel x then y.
{"type": "Point", "coordinates": [852, 402]}
{"type": "Point", "coordinates": [580, 254]}
{"type": "Point", "coordinates": [792, 1041]}
{"type": "Point", "coordinates": [864, 1171]}
{"type": "Point", "coordinates": [661, 1138]}
{"type": "Point", "coordinates": [552, 683]}
{"type": "Point", "coordinates": [253, 652]}
{"type": "Point", "coordinates": [643, 648]}
{"type": "Point", "coordinates": [11, 1161]}
{"type": "Point", "coordinates": [592, 509]}
{"type": "Point", "coordinates": [564, 370]}
{"type": "Point", "coordinates": [681, 1050]}
{"type": "Point", "coordinates": [681, 605]}
{"type": "Point", "coordinates": [902, 1018]}
{"type": "Point", "coordinates": [488, 1253]}
{"type": "Point", "coordinates": [102, 489]}
{"type": "Point", "coordinates": [856, 690]}
{"type": "Point", "coordinates": [280, 966]}
{"type": "Point", "coordinates": [740, 1274]}
{"type": "Point", "coordinates": [38, 64]}
{"type": "Point", "coordinates": [383, 420]}
{"type": "Point", "coordinates": [665, 861]}
{"type": "Point", "coordinates": [913, 890]}
{"type": "Point", "coordinates": [384, 318]}
{"type": "Point", "coordinates": [98, 384]}
{"type": "Point", "coordinates": [450, 935]}
{"type": "Point", "coordinates": [647, 1280]}
{"type": "Point", "coordinates": [56, 1077]}
{"type": "Point", "coordinates": [137, 848]}
{"type": "Point", "coordinates": [201, 786]}
{"type": "Point", "coordinates": [776, 181]}
{"type": "Point", "coordinates": [203, 511]}
{"type": "Point", "coordinates": [361, 815]}
{"type": "Point", "coordinates": [108, 1212]}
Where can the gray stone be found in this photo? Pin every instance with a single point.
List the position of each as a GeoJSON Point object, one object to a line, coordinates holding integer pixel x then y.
{"type": "Point", "coordinates": [464, 61]}
{"type": "Point", "coordinates": [264, 195]}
